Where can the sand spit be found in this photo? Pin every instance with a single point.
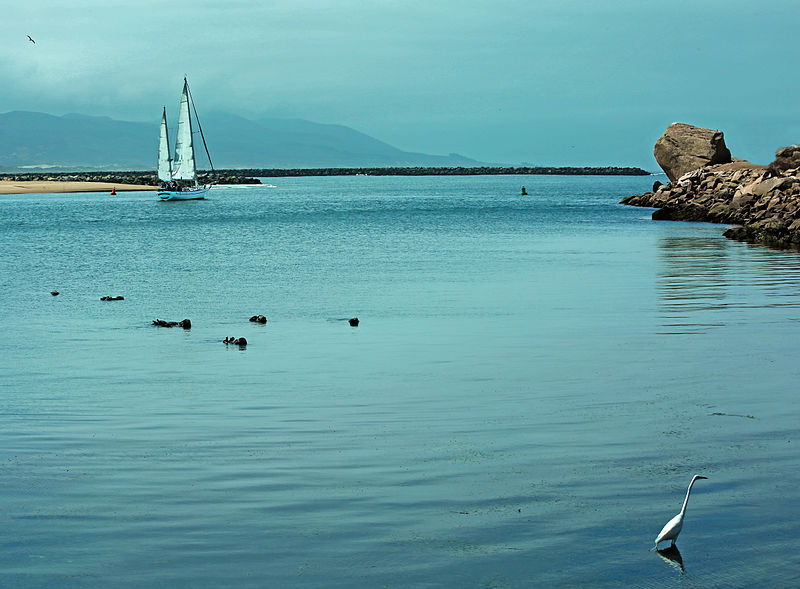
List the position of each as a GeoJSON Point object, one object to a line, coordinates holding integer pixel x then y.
{"type": "Point", "coordinates": [49, 186]}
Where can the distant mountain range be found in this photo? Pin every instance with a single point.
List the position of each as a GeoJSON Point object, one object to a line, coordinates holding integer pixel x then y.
{"type": "Point", "coordinates": [34, 140]}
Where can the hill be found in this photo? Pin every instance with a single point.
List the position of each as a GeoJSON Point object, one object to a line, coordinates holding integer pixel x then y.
{"type": "Point", "coordinates": [33, 140]}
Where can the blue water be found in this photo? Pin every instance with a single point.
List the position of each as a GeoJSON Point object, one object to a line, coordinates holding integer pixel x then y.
{"type": "Point", "coordinates": [533, 383]}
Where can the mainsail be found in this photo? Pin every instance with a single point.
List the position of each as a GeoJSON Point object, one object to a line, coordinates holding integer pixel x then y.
{"type": "Point", "coordinates": [164, 161]}
{"type": "Point", "coordinates": [184, 149]}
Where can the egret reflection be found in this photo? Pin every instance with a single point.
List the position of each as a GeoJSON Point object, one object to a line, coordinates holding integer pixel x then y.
{"type": "Point", "coordinates": [672, 555]}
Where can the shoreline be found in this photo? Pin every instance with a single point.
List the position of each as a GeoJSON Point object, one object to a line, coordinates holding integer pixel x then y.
{"type": "Point", "coordinates": [59, 187]}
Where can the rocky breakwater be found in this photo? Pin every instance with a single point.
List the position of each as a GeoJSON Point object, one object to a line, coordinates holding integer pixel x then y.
{"type": "Point", "coordinates": [140, 178]}
{"type": "Point", "coordinates": [762, 203]}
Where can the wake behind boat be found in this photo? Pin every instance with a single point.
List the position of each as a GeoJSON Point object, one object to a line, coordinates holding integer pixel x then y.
{"type": "Point", "coordinates": [179, 176]}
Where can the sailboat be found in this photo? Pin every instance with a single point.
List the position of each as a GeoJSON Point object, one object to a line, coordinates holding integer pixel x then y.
{"type": "Point", "coordinates": [178, 176]}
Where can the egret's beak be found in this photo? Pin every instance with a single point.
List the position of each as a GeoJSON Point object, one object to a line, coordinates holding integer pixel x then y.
{"type": "Point", "coordinates": [699, 477]}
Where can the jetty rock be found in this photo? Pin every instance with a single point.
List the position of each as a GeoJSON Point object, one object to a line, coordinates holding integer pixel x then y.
{"type": "Point", "coordinates": [684, 148]}
{"type": "Point", "coordinates": [761, 202]}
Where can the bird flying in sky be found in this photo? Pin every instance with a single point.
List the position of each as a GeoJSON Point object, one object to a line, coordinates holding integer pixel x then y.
{"type": "Point", "coordinates": [31, 40]}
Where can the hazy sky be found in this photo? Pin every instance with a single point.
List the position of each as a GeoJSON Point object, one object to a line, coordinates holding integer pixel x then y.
{"type": "Point", "coordinates": [557, 82]}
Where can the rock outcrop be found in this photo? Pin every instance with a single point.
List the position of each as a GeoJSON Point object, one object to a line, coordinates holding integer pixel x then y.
{"type": "Point", "coordinates": [761, 203]}
{"type": "Point", "coordinates": [684, 148]}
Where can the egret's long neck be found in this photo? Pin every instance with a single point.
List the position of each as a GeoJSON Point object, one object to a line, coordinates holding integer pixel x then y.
{"type": "Point", "coordinates": [685, 501]}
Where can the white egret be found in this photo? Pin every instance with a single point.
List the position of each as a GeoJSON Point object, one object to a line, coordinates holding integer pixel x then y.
{"type": "Point", "coordinates": [673, 527]}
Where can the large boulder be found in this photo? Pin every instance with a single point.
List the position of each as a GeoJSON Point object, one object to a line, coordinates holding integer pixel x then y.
{"type": "Point", "coordinates": [684, 148]}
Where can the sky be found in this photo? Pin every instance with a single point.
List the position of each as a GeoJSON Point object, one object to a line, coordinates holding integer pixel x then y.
{"type": "Point", "coordinates": [536, 82]}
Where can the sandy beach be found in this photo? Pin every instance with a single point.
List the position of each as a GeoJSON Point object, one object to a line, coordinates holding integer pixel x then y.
{"type": "Point", "coordinates": [45, 186]}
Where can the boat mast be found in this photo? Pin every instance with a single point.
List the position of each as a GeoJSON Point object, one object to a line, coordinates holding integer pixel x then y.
{"type": "Point", "coordinates": [196, 118]}
{"type": "Point", "coordinates": [191, 132]}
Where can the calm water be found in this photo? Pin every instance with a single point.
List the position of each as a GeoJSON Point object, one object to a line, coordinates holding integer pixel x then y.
{"type": "Point", "coordinates": [533, 383]}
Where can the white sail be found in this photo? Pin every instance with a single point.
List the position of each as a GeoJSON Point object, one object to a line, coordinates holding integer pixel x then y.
{"type": "Point", "coordinates": [164, 161]}
{"type": "Point", "coordinates": [184, 149]}
{"type": "Point", "coordinates": [180, 179]}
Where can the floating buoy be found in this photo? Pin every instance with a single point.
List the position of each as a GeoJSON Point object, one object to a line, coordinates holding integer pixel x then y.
{"type": "Point", "coordinates": [114, 191]}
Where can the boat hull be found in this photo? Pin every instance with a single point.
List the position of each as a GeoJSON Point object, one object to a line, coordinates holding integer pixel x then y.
{"type": "Point", "coordinates": [193, 194]}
